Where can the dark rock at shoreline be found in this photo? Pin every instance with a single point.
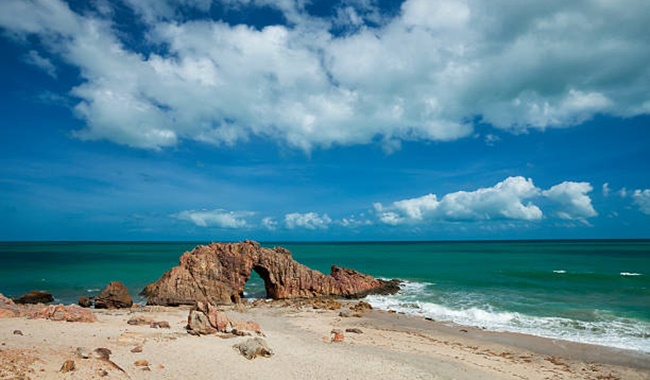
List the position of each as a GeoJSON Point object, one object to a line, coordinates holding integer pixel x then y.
{"type": "Point", "coordinates": [34, 297]}
{"type": "Point", "coordinates": [85, 302]}
{"type": "Point", "coordinates": [217, 273]}
{"type": "Point", "coordinates": [114, 296]}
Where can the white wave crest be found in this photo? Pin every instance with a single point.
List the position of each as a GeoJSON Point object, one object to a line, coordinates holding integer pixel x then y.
{"type": "Point", "coordinates": [630, 274]}
{"type": "Point", "coordinates": [606, 330]}
{"type": "Point", "coordinates": [559, 271]}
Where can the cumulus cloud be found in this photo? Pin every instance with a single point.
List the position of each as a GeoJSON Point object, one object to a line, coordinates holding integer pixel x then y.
{"type": "Point", "coordinates": [511, 199]}
{"type": "Point", "coordinates": [216, 218]}
{"type": "Point", "coordinates": [310, 221]}
{"type": "Point", "coordinates": [426, 72]}
{"type": "Point", "coordinates": [642, 199]}
{"type": "Point", "coordinates": [572, 198]}
{"type": "Point", "coordinates": [505, 200]}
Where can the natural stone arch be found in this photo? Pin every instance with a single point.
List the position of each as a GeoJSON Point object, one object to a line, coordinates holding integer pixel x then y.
{"type": "Point", "coordinates": [217, 273]}
{"type": "Point", "coordinates": [265, 275]}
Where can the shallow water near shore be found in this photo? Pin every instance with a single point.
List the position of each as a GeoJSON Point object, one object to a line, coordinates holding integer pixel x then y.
{"type": "Point", "coordinates": [586, 291]}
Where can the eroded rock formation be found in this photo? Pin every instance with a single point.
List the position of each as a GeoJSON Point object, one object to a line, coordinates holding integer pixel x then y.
{"type": "Point", "coordinates": [8, 308]}
{"type": "Point", "coordinates": [217, 273]}
{"type": "Point", "coordinates": [114, 296]}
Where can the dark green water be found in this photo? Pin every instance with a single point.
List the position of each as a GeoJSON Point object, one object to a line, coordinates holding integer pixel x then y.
{"type": "Point", "coordinates": [590, 291]}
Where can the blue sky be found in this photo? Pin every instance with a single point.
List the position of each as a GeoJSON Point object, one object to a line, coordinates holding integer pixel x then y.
{"type": "Point", "coordinates": [324, 120]}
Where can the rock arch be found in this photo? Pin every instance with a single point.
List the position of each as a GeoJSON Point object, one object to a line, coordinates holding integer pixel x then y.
{"type": "Point", "coordinates": [217, 273]}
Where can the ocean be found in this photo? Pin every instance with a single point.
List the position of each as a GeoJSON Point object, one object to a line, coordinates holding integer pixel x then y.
{"type": "Point", "coordinates": [585, 291]}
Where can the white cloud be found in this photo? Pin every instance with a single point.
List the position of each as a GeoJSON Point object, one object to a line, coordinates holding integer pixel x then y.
{"type": "Point", "coordinates": [606, 189]}
{"type": "Point", "coordinates": [623, 193]}
{"type": "Point", "coordinates": [310, 221]}
{"type": "Point", "coordinates": [33, 58]}
{"type": "Point", "coordinates": [353, 221]}
{"type": "Point", "coordinates": [505, 200]}
{"type": "Point", "coordinates": [216, 218]}
{"type": "Point", "coordinates": [269, 223]}
{"type": "Point", "coordinates": [573, 200]}
{"type": "Point", "coordinates": [424, 74]}
{"type": "Point", "coordinates": [642, 199]}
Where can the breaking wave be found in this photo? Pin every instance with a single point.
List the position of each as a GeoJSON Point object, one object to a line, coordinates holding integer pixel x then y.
{"type": "Point", "coordinates": [603, 328]}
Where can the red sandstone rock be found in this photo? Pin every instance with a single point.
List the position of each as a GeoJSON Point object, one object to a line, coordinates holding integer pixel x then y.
{"type": "Point", "coordinates": [8, 308]}
{"type": "Point", "coordinates": [84, 301]}
{"type": "Point", "coordinates": [198, 322]}
{"type": "Point", "coordinates": [139, 321]}
{"type": "Point", "coordinates": [114, 296]}
{"type": "Point", "coordinates": [337, 336]}
{"type": "Point", "coordinates": [216, 273]}
{"type": "Point", "coordinates": [70, 313]}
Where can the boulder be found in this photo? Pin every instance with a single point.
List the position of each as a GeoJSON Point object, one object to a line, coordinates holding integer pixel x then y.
{"type": "Point", "coordinates": [34, 297]}
{"type": "Point", "coordinates": [8, 308]}
{"type": "Point", "coordinates": [198, 322]}
{"type": "Point", "coordinates": [85, 302]}
{"type": "Point", "coordinates": [253, 348]}
{"type": "Point", "coordinates": [217, 273]}
{"type": "Point", "coordinates": [114, 296]}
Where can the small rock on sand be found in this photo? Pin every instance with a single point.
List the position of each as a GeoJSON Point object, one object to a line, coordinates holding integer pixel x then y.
{"type": "Point", "coordinates": [337, 335]}
{"type": "Point", "coordinates": [141, 363]}
{"type": "Point", "coordinates": [67, 366]}
{"type": "Point", "coordinates": [253, 348]}
{"type": "Point", "coordinates": [136, 349]}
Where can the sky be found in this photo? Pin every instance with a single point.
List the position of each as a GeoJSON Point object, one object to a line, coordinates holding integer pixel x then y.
{"type": "Point", "coordinates": [311, 120]}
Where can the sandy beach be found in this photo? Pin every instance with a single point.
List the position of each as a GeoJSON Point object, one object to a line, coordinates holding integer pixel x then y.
{"type": "Point", "coordinates": [384, 345]}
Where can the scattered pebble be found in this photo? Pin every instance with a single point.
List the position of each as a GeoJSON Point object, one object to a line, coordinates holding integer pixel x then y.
{"type": "Point", "coordinates": [337, 335]}
{"type": "Point", "coordinates": [67, 366]}
{"type": "Point", "coordinates": [82, 353]}
{"type": "Point", "coordinates": [136, 349]}
{"type": "Point", "coordinates": [102, 353]}
{"type": "Point", "coordinates": [141, 363]}
{"type": "Point", "coordinates": [160, 325]}
{"type": "Point", "coordinates": [354, 330]}
{"type": "Point", "coordinates": [18, 332]}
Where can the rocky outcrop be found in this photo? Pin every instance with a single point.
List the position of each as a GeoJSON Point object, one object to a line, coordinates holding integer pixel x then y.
{"type": "Point", "coordinates": [34, 297]}
{"type": "Point", "coordinates": [205, 319]}
{"type": "Point", "coordinates": [217, 273]}
{"type": "Point", "coordinates": [114, 296]}
{"type": "Point", "coordinates": [8, 308]}
{"type": "Point", "coordinates": [70, 313]}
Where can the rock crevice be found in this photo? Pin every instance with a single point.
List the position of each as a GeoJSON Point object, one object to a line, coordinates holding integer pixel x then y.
{"type": "Point", "coordinates": [216, 273]}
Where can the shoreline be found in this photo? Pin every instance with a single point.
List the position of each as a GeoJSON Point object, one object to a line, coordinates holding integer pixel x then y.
{"type": "Point", "coordinates": [391, 345]}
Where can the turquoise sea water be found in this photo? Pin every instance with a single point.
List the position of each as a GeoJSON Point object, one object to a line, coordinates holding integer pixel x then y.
{"type": "Point", "coordinates": [587, 291]}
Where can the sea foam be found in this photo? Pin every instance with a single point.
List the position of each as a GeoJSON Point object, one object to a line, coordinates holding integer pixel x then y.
{"type": "Point", "coordinates": [606, 329]}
